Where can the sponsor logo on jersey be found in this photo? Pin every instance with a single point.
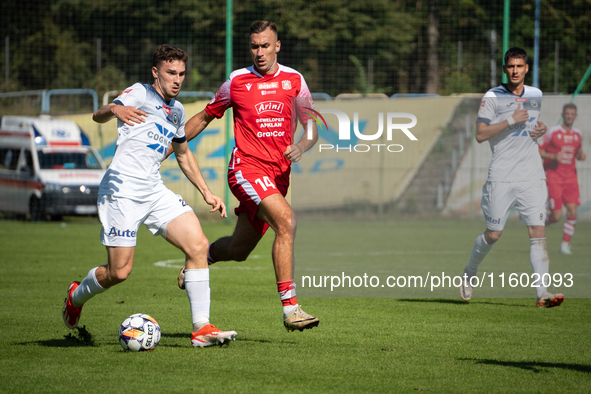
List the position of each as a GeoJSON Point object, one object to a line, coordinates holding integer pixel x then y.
{"type": "Point", "coordinates": [162, 139]}
{"type": "Point", "coordinates": [165, 108]}
{"type": "Point", "coordinates": [482, 103]}
{"type": "Point", "coordinates": [267, 85]}
{"type": "Point", "coordinates": [113, 232]}
{"type": "Point", "coordinates": [286, 85]}
{"type": "Point", "coordinates": [521, 100]}
{"type": "Point", "coordinates": [491, 220]}
{"type": "Point", "coordinates": [248, 86]}
{"type": "Point", "coordinates": [265, 92]}
{"type": "Point", "coordinates": [269, 106]}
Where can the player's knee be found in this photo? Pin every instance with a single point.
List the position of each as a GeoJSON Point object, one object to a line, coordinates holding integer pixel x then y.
{"type": "Point", "coordinates": [556, 215]}
{"type": "Point", "coordinates": [118, 276]}
{"type": "Point", "coordinates": [197, 248]}
{"type": "Point", "coordinates": [492, 236]}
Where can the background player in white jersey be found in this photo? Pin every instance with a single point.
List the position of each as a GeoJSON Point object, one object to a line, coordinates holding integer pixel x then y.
{"type": "Point", "coordinates": [132, 193]}
{"type": "Point", "coordinates": [559, 148]}
{"type": "Point", "coordinates": [508, 120]}
{"type": "Point", "coordinates": [263, 97]}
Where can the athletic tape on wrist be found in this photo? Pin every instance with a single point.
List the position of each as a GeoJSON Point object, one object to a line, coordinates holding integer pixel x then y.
{"type": "Point", "coordinates": [511, 121]}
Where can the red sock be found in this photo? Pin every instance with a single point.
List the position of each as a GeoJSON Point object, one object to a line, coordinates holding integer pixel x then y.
{"type": "Point", "coordinates": [287, 292]}
{"type": "Point", "coordinates": [569, 228]}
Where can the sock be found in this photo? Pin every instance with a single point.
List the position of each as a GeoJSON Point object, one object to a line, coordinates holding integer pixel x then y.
{"type": "Point", "coordinates": [197, 286]}
{"type": "Point", "coordinates": [87, 289]}
{"type": "Point", "coordinates": [479, 252]}
{"type": "Point", "coordinates": [569, 229]}
{"type": "Point", "coordinates": [210, 259]}
{"type": "Point", "coordinates": [538, 257]}
{"type": "Point", "coordinates": [287, 294]}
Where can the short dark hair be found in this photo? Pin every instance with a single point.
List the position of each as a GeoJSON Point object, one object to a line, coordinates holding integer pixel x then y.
{"type": "Point", "coordinates": [168, 53]}
{"type": "Point", "coordinates": [261, 26]}
{"type": "Point", "coordinates": [569, 105]}
{"type": "Point", "coordinates": [516, 53]}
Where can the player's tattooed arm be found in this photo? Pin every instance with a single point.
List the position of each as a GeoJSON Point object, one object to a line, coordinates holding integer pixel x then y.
{"type": "Point", "coordinates": [126, 114]}
{"type": "Point", "coordinates": [294, 152]}
{"type": "Point", "coordinates": [190, 168]}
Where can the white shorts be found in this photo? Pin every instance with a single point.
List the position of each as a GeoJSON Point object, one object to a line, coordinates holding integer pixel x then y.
{"type": "Point", "coordinates": [121, 217]}
{"type": "Point", "coordinates": [529, 198]}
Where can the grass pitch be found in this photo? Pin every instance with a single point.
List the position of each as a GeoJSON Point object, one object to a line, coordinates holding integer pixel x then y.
{"type": "Point", "coordinates": [362, 344]}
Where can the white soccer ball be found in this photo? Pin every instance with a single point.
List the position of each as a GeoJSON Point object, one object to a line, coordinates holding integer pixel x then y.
{"type": "Point", "coordinates": [139, 332]}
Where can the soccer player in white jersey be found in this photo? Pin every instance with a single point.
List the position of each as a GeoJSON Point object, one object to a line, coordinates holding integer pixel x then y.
{"type": "Point", "coordinates": [261, 97]}
{"type": "Point", "coordinates": [508, 120]}
{"type": "Point", "coordinates": [132, 193]}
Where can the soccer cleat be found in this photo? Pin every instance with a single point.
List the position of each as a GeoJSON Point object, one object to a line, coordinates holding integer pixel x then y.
{"type": "Point", "coordinates": [208, 335]}
{"type": "Point", "coordinates": [181, 279]}
{"type": "Point", "coordinates": [549, 300]}
{"type": "Point", "coordinates": [300, 320]}
{"type": "Point", "coordinates": [565, 248]}
{"type": "Point", "coordinates": [70, 313]}
{"type": "Point", "coordinates": [465, 288]}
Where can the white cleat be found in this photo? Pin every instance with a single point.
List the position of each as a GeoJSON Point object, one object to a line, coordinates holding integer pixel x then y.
{"type": "Point", "coordinates": [465, 288]}
{"type": "Point", "coordinates": [565, 248]}
{"type": "Point", "coordinates": [300, 320]}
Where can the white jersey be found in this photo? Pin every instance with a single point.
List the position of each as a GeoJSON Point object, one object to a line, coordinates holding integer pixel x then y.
{"type": "Point", "coordinates": [515, 155]}
{"type": "Point", "coordinates": [135, 169]}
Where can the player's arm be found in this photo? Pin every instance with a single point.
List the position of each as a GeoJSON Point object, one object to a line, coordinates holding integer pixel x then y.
{"type": "Point", "coordinates": [550, 156]}
{"type": "Point", "coordinates": [194, 127]}
{"type": "Point", "coordinates": [485, 131]}
{"type": "Point", "coordinates": [581, 156]}
{"type": "Point", "coordinates": [128, 115]}
{"type": "Point", "coordinates": [190, 168]}
{"type": "Point", "coordinates": [294, 152]}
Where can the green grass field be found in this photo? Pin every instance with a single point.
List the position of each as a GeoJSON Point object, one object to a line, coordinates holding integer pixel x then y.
{"type": "Point", "coordinates": [405, 344]}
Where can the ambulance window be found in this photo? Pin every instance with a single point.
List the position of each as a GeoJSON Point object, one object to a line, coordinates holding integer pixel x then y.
{"type": "Point", "coordinates": [28, 161]}
{"type": "Point", "coordinates": [9, 158]}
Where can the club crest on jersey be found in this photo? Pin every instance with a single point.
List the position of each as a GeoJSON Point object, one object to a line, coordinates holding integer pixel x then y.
{"type": "Point", "coordinates": [248, 86]}
{"type": "Point", "coordinates": [286, 85]}
{"type": "Point", "coordinates": [534, 103]}
{"type": "Point", "coordinates": [269, 106]}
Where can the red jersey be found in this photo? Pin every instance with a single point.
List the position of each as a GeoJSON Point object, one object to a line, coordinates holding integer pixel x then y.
{"type": "Point", "coordinates": [263, 112]}
{"type": "Point", "coordinates": [557, 139]}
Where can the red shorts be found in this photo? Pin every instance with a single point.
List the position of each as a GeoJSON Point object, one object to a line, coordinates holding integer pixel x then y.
{"type": "Point", "coordinates": [562, 191]}
{"type": "Point", "coordinates": [251, 184]}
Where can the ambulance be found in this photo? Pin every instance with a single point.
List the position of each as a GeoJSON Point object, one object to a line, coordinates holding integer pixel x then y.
{"type": "Point", "coordinates": [47, 168]}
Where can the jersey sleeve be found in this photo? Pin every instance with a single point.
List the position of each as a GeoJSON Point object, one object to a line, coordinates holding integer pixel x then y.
{"type": "Point", "coordinates": [221, 101]}
{"type": "Point", "coordinates": [180, 136]}
{"type": "Point", "coordinates": [487, 111]}
{"type": "Point", "coordinates": [304, 103]}
{"type": "Point", "coordinates": [134, 96]}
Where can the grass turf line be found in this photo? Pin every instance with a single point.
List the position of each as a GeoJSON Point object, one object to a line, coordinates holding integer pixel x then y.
{"type": "Point", "coordinates": [361, 345]}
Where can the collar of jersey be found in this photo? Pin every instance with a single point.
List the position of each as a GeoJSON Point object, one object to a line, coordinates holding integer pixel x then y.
{"type": "Point", "coordinates": [504, 85]}
{"type": "Point", "coordinates": [170, 104]}
{"type": "Point", "coordinates": [255, 72]}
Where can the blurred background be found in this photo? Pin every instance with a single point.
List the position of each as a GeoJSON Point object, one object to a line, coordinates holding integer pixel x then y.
{"type": "Point", "coordinates": [404, 53]}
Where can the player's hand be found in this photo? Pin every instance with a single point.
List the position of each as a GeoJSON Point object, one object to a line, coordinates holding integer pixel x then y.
{"type": "Point", "coordinates": [293, 153]}
{"type": "Point", "coordinates": [216, 203]}
{"type": "Point", "coordinates": [520, 115]}
{"type": "Point", "coordinates": [538, 131]}
{"type": "Point", "coordinates": [559, 156]}
{"type": "Point", "coordinates": [129, 115]}
{"type": "Point", "coordinates": [581, 155]}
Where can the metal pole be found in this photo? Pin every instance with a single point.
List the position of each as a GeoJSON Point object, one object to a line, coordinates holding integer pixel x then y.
{"type": "Point", "coordinates": [459, 56]}
{"type": "Point", "coordinates": [556, 50]}
{"type": "Point", "coordinates": [7, 60]}
{"type": "Point", "coordinates": [228, 71]}
{"type": "Point", "coordinates": [506, 16]}
{"type": "Point", "coordinates": [536, 82]}
{"type": "Point", "coordinates": [493, 58]}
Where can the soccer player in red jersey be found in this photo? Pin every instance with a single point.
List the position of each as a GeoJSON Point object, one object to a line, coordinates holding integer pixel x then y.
{"type": "Point", "coordinates": [559, 149]}
{"type": "Point", "coordinates": [267, 101]}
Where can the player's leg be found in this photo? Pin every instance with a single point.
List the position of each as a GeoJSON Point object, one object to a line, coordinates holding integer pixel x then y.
{"type": "Point", "coordinates": [238, 246]}
{"type": "Point", "coordinates": [497, 200]}
{"type": "Point", "coordinates": [175, 221]}
{"type": "Point", "coordinates": [275, 211]}
{"type": "Point", "coordinates": [120, 243]}
{"type": "Point", "coordinates": [568, 229]}
{"type": "Point", "coordinates": [531, 205]}
{"type": "Point", "coordinates": [555, 191]}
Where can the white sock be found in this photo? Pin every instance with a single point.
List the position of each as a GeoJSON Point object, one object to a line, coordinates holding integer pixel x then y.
{"type": "Point", "coordinates": [197, 286]}
{"type": "Point", "coordinates": [87, 289]}
{"type": "Point", "coordinates": [287, 309]}
{"type": "Point", "coordinates": [538, 257]}
{"type": "Point", "coordinates": [479, 252]}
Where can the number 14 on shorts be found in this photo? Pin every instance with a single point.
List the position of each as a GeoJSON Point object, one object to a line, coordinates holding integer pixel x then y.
{"type": "Point", "coordinates": [265, 183]}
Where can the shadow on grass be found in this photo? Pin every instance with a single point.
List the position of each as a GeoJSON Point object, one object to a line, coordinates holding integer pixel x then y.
{"type": "Point", "coordinates": [459, 302]}
{"type": "Point", "coordinates": [80, 336]}
{"type": "Point", "coordinates": [531, 365]}
{"type": "Point", "coordinates": [183, 335]}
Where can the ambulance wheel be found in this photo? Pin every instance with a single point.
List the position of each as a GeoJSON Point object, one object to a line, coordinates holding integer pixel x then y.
{"type": "Point", "coordinates": [37, 210]}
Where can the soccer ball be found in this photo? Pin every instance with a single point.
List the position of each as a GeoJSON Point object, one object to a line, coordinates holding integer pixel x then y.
{"type": "Point", "coordinates": [139, 332]}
